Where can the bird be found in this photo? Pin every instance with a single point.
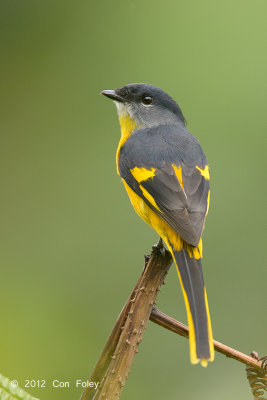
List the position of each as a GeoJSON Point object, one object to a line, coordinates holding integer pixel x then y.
{"type": "Point", "coordinates": [166, 175]}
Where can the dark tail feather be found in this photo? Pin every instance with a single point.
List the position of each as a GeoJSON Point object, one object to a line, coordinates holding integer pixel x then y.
{"type": "Point", "coordinates": [200, 334]}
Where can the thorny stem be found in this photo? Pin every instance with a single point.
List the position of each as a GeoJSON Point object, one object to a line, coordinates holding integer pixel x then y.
{"type": "Point", "coordinates": [114, 364]}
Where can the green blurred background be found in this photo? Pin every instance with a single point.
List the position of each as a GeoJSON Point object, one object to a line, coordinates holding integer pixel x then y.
{"type": "Point", "coordinates": [71, 246]}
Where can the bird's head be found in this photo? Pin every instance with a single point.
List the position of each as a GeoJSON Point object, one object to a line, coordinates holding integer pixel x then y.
{"type": "Point", "coordinates": [141, 105]}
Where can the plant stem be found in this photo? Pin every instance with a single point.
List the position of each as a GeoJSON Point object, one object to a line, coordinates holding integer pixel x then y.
{"type": "Point", "coordinates": [167, 322]}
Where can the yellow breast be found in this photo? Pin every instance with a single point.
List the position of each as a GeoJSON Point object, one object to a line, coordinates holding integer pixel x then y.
{"type": "Point", "coordinates": [128, 125]}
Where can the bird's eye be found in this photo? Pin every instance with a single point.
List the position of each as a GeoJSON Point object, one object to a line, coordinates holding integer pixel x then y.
{"type": "Point", "coordinates": [147, 100]}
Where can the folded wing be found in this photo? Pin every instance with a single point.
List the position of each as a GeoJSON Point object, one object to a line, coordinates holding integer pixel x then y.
{"type": "Point", "coordinates": [177, 190]}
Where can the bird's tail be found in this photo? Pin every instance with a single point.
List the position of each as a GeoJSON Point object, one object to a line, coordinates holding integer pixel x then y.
{"type": "Point", "coordinates": [189, 268]}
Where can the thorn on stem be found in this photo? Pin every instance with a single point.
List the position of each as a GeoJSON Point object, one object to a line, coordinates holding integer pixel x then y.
{"type": "Point", "coordinates": [159, 248]}
{"type": "Point", "coordinates": [147, 257]}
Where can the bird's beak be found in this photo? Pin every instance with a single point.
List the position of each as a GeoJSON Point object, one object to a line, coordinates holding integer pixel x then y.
{"type": "Point", "coordinates": [112, 95]}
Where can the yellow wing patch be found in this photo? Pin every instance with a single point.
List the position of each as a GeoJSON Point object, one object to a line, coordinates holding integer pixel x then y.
{"type": "Point", "coordinates": [178, 173]}
{"type": "Point", "coordinates": [149, 197]}
{"type": "Point", "coordinates": [204, 172]}
{"type": "Point", "coordinates": [142, 174]}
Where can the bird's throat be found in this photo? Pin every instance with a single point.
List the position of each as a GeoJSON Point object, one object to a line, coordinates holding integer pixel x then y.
{"type": "Point", "coordinates": [127, 122]}
{"type": "Point", "coordinates": [128, 125]}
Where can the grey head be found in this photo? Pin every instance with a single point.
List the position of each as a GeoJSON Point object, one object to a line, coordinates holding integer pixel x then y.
{"type": "Point", "coordinates": [146, 104]}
